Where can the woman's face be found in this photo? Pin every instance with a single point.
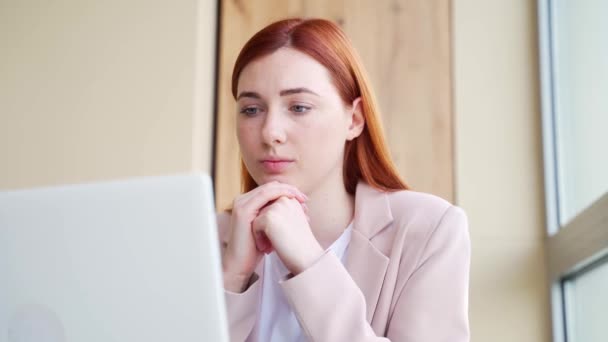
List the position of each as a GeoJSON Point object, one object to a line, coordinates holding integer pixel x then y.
{"type": "Point", "coordinates": [292, 124]}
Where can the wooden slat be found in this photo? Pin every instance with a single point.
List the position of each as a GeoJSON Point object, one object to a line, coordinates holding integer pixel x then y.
{"type": "Point", "coordinates": [404, 45]}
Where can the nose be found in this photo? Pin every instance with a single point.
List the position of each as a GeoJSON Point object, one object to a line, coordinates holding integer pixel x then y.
{"type": "Point", "coordinates": [273, 130]}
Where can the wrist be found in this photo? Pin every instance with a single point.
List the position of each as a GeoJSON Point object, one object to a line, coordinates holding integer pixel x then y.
{"type": "Point", "coordinates": [310, 259]}
{"type": "Point", "coordinates": [233, 281]}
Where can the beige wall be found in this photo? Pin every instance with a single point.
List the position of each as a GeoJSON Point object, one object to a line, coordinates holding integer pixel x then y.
{"type": "Point", "coordinates": [104, 89]}
{"type": "Point", "coordinates": [499, 167]}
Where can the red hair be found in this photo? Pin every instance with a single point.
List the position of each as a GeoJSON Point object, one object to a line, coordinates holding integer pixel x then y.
{"type": "Point", "coordinates": [366, 157]}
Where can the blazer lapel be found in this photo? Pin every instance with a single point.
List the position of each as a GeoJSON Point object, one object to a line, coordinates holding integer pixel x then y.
{"type": "Point", "coordinates": [364, 262]}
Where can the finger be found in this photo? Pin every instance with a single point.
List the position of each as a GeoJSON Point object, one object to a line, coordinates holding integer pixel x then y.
{"type": "Point", "coordinates": [260, 244]}
{"type": "Point", "coordinates": [262, 197]}
{"type": "Point", "coordinates": [305, 210]}
{"type": "Point", "coordinates": [278, 185]}
{"type": "Point", "coordinates": [261, 241]}
{"type": "Point", "coordinates": [271, 185]}
{"type": "Point", "coordinates": [302, 204]}
{"type": "Point", "coordinates": [266, 244]}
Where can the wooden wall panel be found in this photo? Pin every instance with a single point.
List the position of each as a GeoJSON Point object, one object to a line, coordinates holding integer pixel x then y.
{"type": "Point", "coordinates": [405, 47]}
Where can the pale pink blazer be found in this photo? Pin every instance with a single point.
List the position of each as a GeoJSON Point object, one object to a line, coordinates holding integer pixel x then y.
{"type": "Point", "coordinates": [405, 278]}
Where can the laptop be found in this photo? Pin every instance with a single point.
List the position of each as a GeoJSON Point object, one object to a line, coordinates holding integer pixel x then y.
{"type": "Point", "coordinates": [132, 260]}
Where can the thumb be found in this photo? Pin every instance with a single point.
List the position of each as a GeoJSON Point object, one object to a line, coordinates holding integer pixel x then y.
{"type": "Point", "coordinates": [262, 242]}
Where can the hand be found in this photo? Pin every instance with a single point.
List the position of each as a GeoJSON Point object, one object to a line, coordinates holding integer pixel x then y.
{"type": "Point", "coordinates": [285, 224]}
{"type": "Point", "coordinates": [242, 254]}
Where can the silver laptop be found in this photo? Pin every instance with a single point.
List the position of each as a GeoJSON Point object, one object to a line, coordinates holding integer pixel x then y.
{"type": "Point", "coordinates": [134, 260]}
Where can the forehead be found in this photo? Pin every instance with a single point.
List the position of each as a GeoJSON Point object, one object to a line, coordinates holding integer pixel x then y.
{"type": "Point", "coordinates": [285, 68]}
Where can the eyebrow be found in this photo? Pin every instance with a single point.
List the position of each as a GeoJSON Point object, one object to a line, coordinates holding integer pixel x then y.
{"type": "Point", "coordinates": [254, 95]}
{"type": "Point", "coordinates": [250, 94]}
{"type": "Point", "coordinates": [297, 91]}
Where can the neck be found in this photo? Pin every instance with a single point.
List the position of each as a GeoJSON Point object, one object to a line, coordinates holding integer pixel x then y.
{"type": "Point", "coordinates": [331, 209]}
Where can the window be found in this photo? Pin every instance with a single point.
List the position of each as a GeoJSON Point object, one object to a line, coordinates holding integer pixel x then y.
{"type": "Point", "coordinates": [574, 80]}
{"type": "Point", "coordinates": [586, 301]}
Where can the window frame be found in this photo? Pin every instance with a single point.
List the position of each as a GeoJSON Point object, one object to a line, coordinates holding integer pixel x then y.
{"type": "Point", "coordinates": [583, 241]}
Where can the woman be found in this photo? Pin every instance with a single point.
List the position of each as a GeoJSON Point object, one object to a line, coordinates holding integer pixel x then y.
{"type": "Point", "coordinates": [326, 243]}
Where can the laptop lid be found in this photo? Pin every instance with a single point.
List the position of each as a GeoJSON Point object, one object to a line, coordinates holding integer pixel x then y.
{"type": "Point", "coordinates": [134, 260]}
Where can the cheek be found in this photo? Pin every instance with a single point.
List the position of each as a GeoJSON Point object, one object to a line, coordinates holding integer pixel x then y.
{"type": "Point", "coordinates": [245, 130]}
{"type": "Point", "coordinates": [325, 140]}
{"type": "Point", "coordinates": [247, 135]}
{"type": "Point", "coordinates": [328, 132]}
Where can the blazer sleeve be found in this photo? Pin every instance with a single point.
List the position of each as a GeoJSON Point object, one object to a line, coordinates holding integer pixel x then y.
{"type": "Point", "coordinates": [432, 306]}
{"type": "Point", "coordinates": [241, 308]}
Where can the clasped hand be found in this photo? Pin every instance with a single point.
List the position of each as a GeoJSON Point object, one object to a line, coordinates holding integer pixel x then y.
{"type": "Point", "coordinates": [271, 217]}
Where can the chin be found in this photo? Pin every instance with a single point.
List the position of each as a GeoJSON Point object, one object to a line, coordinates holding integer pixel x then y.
{"type": "Point", "coordinates": [283, 178]}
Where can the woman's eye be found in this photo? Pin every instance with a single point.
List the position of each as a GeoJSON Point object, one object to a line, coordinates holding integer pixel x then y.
{"type": "Point", "coordinates": [300, 108]}
{"type": "Point", "coordinates": [249, 111]}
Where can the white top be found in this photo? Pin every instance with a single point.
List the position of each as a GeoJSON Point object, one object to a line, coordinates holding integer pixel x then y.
{"type": "Point", "coordinates": [276, 320]}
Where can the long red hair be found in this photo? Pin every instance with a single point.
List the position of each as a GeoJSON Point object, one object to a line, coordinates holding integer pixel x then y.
{"type": "Point", "coordinates": [366, 157]}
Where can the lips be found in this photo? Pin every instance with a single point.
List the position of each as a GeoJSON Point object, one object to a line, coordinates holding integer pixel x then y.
{"type": "Point", "coordinates": [276, 165]}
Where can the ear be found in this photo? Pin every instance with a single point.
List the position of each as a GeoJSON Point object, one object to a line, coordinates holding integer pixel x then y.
{"type": "Point", "coordinates": [356, 120]}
